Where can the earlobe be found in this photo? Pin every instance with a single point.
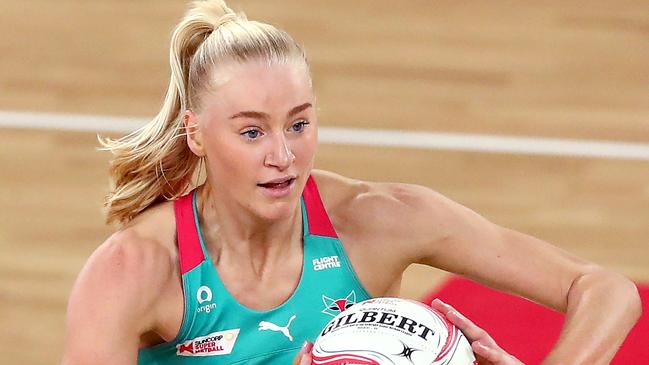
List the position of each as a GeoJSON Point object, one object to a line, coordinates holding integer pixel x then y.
{"type": "Point", "coordinates": [194, 135]}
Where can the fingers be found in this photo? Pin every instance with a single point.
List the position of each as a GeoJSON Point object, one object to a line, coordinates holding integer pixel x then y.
{"type": "Point", "coordinates": [485, 352]}
{"type": "Point", "coordinates": [470, 329]}
{"type": "Point", "coordinates": [306, 359]}
{"type": "Point", "coordinates": [440, 306]}
{"type": "Point", "coordinates": [495, 356]}
{"type": "Point", "coordinates": [304, 356]}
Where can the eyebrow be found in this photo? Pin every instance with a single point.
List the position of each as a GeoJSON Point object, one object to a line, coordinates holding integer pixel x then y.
{"type": "Point", "coordinates": [262, 115]}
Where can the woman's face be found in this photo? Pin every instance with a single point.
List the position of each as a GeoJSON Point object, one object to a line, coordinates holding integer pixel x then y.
{"type": "Point", "coordinates": [258, 131]}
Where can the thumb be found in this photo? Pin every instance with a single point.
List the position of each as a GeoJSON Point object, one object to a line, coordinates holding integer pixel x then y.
{"type": "Point", "coordinates": [305, 353]}
{"type": "Point", "coordinates": [306, 359]}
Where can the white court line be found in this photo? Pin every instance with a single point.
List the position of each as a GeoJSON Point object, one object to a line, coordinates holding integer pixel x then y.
{"type": "Point", "coordinates": [366, 137]}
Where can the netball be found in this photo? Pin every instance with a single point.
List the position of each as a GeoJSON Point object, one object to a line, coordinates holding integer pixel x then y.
{"type": "Point", "coordinates": [395, 331]}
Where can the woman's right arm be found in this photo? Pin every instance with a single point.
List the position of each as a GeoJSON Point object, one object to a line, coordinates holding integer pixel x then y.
{"type": "Point", "coordinates": [113, 301]}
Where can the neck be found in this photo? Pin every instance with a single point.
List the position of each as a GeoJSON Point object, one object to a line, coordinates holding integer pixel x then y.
{"type": "Point", "coordinates": [236, 231]}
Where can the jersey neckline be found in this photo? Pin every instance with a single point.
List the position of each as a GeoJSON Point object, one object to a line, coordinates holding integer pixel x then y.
{"type": "Point", "coordinates": [220, 283]}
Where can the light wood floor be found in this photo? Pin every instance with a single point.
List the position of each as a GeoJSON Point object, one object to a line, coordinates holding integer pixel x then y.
{"type": "Point", "coordinates": [574, 69]}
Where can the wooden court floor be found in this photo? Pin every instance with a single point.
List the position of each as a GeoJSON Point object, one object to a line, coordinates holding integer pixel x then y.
{"type": "Point", "coordinates": [547, 69]}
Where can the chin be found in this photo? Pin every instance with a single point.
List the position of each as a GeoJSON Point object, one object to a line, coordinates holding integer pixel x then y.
{"type": "Point", "coordinates": [278, 210]}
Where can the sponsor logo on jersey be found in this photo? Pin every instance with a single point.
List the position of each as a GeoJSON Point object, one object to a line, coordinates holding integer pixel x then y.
{"type": "Point", "coordinates": [324, 263]}
{"type": "Point", "coordinates": [204, 294]}
{"type": "Point", "coordinates": [268, 326]}
{"type": "Point", "coordinates": [333, 307]}
{"type": "Point", "coordinates": [216, 343]}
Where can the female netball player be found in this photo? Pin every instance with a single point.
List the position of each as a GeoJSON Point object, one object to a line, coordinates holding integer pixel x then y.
{"type": "Point", "coordinates": [249, 265]}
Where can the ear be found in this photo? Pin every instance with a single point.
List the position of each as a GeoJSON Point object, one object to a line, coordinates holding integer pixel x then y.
{"type": "Point", "coordinates": [194, 134]}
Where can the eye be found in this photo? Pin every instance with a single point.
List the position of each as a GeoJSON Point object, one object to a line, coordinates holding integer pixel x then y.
{"type": "Point", "coordinates": [299, 125]}
{"type": "Point", "coordinates": [251, 134]}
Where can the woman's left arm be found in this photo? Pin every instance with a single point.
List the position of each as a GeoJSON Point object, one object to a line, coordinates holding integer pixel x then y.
{"type": "Point", "coordinates": [601, 306]}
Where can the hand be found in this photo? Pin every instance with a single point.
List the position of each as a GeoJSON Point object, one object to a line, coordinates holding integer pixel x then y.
{"type": "Point", "coordinates": [485, 348]}
{"type": "Point", "coordinates": [304, 356]}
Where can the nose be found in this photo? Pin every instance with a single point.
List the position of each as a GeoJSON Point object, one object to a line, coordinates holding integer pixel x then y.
{"type": "Point", "coordinates": [280, 154]}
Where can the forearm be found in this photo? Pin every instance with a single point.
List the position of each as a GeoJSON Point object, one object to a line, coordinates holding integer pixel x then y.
{"type": "Point", "coordinates": [602, 307]}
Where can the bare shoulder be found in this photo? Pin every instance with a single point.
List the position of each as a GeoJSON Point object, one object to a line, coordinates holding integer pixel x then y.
{"type": "Point", "coordinates": [144, 247]}
{"type": "Point", "coordinates": [386, 212]}
{"type": "Point", "coordinates": [126, 272]}
{"type": "Point", "coordinates": [135, 253]}
{"type": "Point", "coordinates": [127, 267]}
{"type": "Point", "coordinates": [385, 204]}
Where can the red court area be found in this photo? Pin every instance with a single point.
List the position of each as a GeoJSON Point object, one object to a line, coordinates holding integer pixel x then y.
{"type": "Point", "coordinates": [526, 329]}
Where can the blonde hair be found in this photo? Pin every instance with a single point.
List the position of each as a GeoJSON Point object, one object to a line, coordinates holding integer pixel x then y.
{"type": "Point", "coordinates": [154, 163]}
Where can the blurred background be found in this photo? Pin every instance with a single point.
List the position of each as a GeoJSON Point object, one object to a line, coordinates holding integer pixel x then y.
{"type": "Point", "coordinates": [566, 72]}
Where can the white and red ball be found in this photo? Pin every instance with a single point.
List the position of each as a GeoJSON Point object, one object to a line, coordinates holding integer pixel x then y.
{"type": "Point", "coordinates": [392, 331]}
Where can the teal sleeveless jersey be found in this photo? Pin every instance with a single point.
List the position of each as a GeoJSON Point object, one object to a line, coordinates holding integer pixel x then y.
{"type": "Point", "coordinates": [216, 329]}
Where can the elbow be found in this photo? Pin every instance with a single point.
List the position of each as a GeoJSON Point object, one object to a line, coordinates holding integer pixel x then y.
{"type": "Point", "coordinates": [610, 287]}
{"type": "Point", "coordinates": [628, 294]}
{"type": "Point", "coordinates": [622, 291]}
{"type": "Point", "coordinates": [635, 302]}
{"type": "Point", "coordinates": [630, 302]}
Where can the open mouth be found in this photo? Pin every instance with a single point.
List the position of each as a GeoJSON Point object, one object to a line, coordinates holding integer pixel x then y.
{"type": "Point", "coordinates": [282, 184]}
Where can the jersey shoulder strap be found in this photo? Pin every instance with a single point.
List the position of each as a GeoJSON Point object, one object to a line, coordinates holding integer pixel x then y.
{"type": "Point", "coordinates": [189, 245]}
{"type": "Point", "coordinates": [318, 220]}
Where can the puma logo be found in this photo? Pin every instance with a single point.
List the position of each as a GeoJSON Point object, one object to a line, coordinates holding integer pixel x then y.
{"type": "Point", "coordinates": [263, 325]}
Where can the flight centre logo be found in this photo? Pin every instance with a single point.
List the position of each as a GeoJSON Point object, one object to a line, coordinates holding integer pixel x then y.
{"type": "Point", "coordinates": [214, 344]}
{"type": "Point", "coordinates": [324, 263]}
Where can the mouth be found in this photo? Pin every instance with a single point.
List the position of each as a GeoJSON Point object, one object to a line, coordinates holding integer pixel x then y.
{"type": "Point", "coordinates": [278, 184]}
